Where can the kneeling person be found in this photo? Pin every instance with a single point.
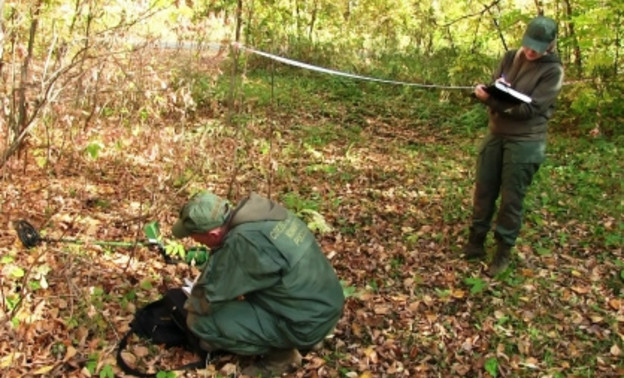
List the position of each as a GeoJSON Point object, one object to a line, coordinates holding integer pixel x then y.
{"type": "Point", "coordinates": [267, 288]}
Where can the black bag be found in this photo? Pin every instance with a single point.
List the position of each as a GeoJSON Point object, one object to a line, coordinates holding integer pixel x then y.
{"type": "Point", "coordinates": [163, 322]}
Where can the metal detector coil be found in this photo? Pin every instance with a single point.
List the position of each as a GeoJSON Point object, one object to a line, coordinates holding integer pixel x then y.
{"type": "Point", "coordinates": [27, 234]}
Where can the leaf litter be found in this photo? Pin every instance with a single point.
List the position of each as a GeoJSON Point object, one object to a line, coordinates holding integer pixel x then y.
{"type": "Point", "coordinates": [397, 216]}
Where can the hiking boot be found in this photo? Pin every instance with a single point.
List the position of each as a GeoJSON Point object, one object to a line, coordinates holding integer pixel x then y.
{"type": "Point", "coordinates": [275, 363]}
{"type": "Point", "coordinates": [501, 260]}
{"type": "Point", "coordinates": [474, 248]}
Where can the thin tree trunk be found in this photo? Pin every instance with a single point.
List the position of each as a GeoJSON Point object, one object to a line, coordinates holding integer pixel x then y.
{"type": "Point", "coordinates": [617, 42]}
{"type": "Point", "coordinates": [22, 116]}
{"type": "Point", "coordinates": [539, 7]}
{"type": "Point", "coordinates": [497, 25]}
{"type": "Point", "coordinates": [1, 35]}
{"type": "Point", "coordinates": [572, 35]}
{"type": "Point", "coordinates": [231, 107]}
{"type": "Point", "coordinates": [313, 21]}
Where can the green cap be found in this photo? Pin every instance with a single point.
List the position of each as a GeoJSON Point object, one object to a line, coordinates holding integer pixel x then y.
{"type": "Point", "coordinates": [203, 212]}
{"type": "Point", "coordinates": [540, 33]}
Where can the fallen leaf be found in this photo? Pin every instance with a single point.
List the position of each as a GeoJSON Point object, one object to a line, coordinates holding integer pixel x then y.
{"type": "Point", "coordinates": [356, 329]}
{"type": "Point", "coordinates": [414, 306]}
{"type": "Point", "coordinates": [129, 358]}
{"type": "Point", "coordinates": [43, 370]}
{"type": "Point", "coordinates": [615, 304]}
{"type": "Point", "coordinates": [71, 352]}
{"type": "Point", "coordinates": [315, 363]}
{"type": "Point", "coordinates": [371, 354]}
{"type": "Point", "coordinates": [458, 294]}
{"type": "Point", "coordinates": [413, 352]}
{"type": "Point", "coordinates": [228, 369]}
{"type": "Point", "coordinates": [531, 363]}
{"type": "Point", "coordinates": [596, 319]}
{"type": "Point", "coordinates": [8, 360]}
{"type": "Point", "coordinates": [616, 351]}
{"type": "Point", "coordinates": [140, 351]}
{"type": "Point", "coordinates": [431, 317]}
{"type": "Point", "coordinates": [580, 290]}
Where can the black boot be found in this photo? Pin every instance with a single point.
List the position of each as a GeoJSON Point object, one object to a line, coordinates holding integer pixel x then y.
{"type": "Point", "coordinates": [474, 248]}
{"type": "Point", "coordinates": [501, 260]}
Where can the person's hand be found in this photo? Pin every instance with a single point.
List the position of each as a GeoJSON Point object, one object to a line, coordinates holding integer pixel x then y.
{"type": "Point", "coordinates": [503, 80]}
{"type": "Point", "coordinates": [480, 92]}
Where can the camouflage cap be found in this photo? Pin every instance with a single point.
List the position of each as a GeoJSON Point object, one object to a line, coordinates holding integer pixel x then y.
{"type": "Point", "coordinates": [540, 33]}
{"type": "Point", "coordinates": [204, 211]}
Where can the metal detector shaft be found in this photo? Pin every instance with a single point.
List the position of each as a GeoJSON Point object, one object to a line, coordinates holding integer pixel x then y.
{"type": "Point", "coordinates": [99, 242]}
{"type": "Point", "coordinates": [29, 236]}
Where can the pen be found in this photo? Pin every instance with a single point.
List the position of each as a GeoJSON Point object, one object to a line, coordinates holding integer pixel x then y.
{"type": "Point", "coordinates": [503, 79]}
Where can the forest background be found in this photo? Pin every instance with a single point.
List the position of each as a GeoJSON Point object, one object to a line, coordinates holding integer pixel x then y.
{"type": "Point", "coordinates": [115, 112]}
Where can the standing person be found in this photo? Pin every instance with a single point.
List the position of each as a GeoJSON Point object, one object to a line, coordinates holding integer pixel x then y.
{"type": "Point", "coordinates": [267, 288]}
{"type": "Point", "coordinates": [515, 146]}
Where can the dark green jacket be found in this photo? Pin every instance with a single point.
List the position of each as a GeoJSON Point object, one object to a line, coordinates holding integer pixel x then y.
{"type": "Point", "coordinates": [541, 80]}
{"type": "Point", "coordinates": [270, 257]}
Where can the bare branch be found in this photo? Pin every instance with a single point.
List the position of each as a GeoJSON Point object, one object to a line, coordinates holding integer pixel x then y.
{"type": "Point", "coordinates": [476, 14]}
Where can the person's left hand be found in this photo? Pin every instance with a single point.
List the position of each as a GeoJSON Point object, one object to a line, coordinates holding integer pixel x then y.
{"type": "Point", "coordinates": [480, 92]}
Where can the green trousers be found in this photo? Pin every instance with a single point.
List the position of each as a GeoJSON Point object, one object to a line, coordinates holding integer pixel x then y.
{"type": "Point", "coordinates": [244, 328]}
{"type": "Point", "coordinates": [506, 168]}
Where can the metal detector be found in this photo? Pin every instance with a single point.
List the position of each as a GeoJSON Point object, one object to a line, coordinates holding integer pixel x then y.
{"type": "Point", "coordinates": [30, 237]}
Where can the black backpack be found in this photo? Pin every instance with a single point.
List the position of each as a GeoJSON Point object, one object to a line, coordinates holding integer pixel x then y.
{"type": "Point", "coordinates": [163, 322]}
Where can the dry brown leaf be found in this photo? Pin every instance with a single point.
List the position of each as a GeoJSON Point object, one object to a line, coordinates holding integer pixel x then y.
{"type": "Point", "coordinates": [315, 363]}
{"type": "Point", "coordinates": [596, 319]}
{"type": "Point", "coordinates": [576, 273]}
{"type": "Point", "coordinates": [71, 352]}
{"type": "Point", "coordinates": [458, 294]}
{"type": "Point", "coordinates": [356, 329]}
{"type": "Point", "coordinates": [431, 317]}
{"type": "Point", "coordinates": [129, 358]}
{"type": "Point", "coordinates": [581, 289]}
{"type": "Point", "coordinates": [414, 306]}
{"type": "Point", "coordinates": [371, 355]}
{"type": "Point", "coordinates": [140, 350]}
{"type": "Point", "coordinates": [413, 352]}
{"type": "Point", "coordinates": [43, 370]}
{"type": "Point", "coordinates": [9, 359]}
{"type": "Point", "coordinates": [229, 369]}
{"type": "Point", "coordinates": [615, 350]}
{"type": "Point", "coordinates": [531, 363]}
{"type": "Point", "coordinates": [615, 304]}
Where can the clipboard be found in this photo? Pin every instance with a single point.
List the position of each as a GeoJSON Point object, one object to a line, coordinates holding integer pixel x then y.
{"type": "Point", "coordinates": [505, 92]}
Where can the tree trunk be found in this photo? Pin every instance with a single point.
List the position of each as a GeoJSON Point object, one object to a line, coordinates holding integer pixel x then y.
{"type": "Point", "coordinates": [572, 35]}
{"type": "Point", "coordinates": [22, 116]}
{"type": "Point", "coordinates": [1, 36]}
{"type": "Point", "coordinates": [616, 59]}
{"type": "Point", "coordinates": [312, 21]}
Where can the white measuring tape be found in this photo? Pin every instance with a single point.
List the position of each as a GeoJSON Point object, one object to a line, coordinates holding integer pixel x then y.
{"type": "Point", "coordinates": [295, 63]}
{"type": "Point", "coordinates": [345, 74]}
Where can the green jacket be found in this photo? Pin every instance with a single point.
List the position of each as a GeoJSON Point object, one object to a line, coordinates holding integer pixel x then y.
{"type": "Point", "coordinates": [270, 257]}
{"type": "Point", "coordinates": [541, 80]}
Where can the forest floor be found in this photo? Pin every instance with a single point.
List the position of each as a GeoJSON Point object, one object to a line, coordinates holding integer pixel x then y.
{"type": "Point", "coordinates": [396, 193]}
